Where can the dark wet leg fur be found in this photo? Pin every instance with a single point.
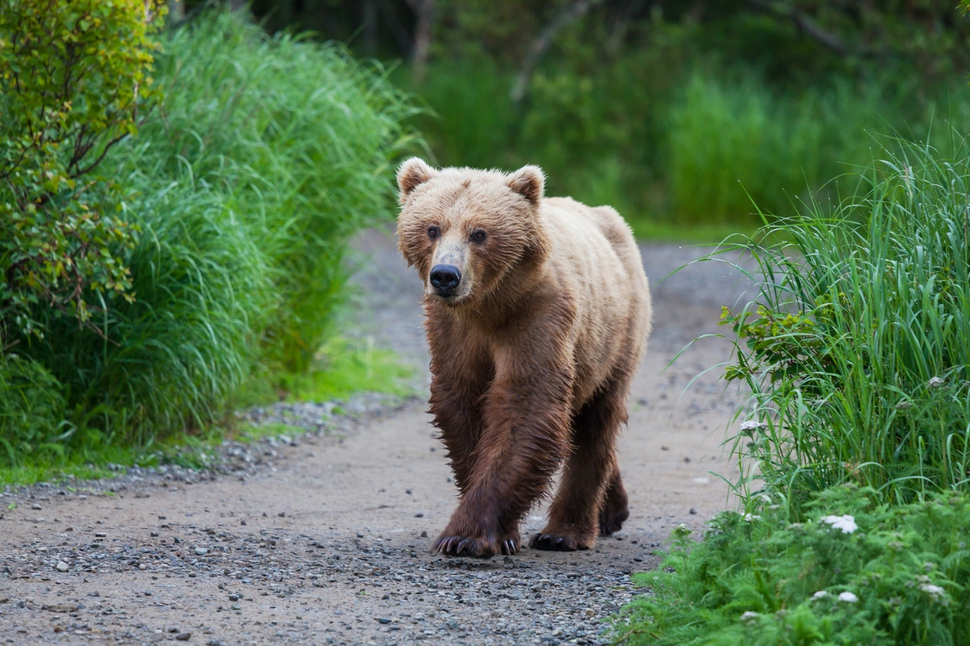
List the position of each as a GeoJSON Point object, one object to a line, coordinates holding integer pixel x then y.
{"type": "Point", "coordinates": [575, 514]}
{"type": "Point", "coordinates": [615, 508]}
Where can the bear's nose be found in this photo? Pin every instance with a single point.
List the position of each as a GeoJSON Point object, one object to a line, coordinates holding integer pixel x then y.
{"type": "Point", "coordinates": [445, 278]}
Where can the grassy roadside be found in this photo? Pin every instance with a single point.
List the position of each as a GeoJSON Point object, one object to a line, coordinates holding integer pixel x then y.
{"type": "Point", "coordinates": [342, 368]}
{"type": "Point", "coordinates": [854, 446]}
{"type": "Point", "coordinates": [242, 213]}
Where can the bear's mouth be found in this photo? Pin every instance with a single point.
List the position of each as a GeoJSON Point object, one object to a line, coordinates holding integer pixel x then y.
{"type": "Point", "coordinates": [447, 297]}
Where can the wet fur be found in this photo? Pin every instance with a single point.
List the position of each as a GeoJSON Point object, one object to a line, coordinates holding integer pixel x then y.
{"type": "Point", "coordinates": [532, 363]}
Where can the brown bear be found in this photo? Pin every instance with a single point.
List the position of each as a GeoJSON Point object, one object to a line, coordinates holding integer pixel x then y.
{"type": "Point", "coordinates": [537, 315]}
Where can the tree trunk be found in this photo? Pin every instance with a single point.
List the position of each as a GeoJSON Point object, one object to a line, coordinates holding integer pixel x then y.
{"type": "Point", "coordinates": [424, 11]}
{"type": "Point", "coordinates": [541, 45]}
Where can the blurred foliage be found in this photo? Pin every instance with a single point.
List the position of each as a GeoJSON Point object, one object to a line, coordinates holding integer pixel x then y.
{"type": "Point", "coordinates": [780, 34]}
{"type": "Point", "coordinates": [679, 114]}
{"type": "Point", "coordinates": [74, 81]}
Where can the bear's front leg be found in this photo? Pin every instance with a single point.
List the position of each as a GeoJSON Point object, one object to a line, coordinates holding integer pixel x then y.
{"type": "Point", "coordinates": [523, 442]}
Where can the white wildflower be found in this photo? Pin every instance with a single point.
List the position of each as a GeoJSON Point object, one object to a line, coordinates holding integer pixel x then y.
{"type": "Point", "coordinates": [935, 382]}
{"type": "Point", "coordinates": [932, 590]}
{"type": "Point", "coordinates": [751, 425]}
{"type": "Point", "coordinates": [749, 615]}
{"type": "Point", "coordinates": [845, 523]}
{"type": "Point", "coordinates": [936, 593]}
{"type": "Point", "coordinates": [848, 597]}
{"type": "Point", "coordinates": [750, 518]}
{"type": "Point", "coordinates": [821, 594]}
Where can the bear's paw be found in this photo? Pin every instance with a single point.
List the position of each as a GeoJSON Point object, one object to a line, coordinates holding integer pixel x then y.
{"type": "Point", "coordinates": [481, 547]}
{"type": "Point", "coordinates": [554, 542]}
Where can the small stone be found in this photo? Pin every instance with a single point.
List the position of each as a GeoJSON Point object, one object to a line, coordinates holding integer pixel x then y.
{"type": "Point", "coordinates": [143, 567]}
{"type": "Point", "coordinates": [235, 606]}
{"type": "Point", "coordinates": [36, 507]}
{"type": "Point", "coordinates": [419, 515]}
{"type": "Point", "coordinates": [62, 566]}
{"type": "Point", "coordinates": [235, 597]}
{"type": "Point", "coordinates": [383, 620]}
{"type": "Point", "coordinates": [214, 642]}
{"type": "Point", "coordinates": [201, 551]}
{"type": "Point", "coordinates": [424, 534]}
{"type": "Point", "coordinates": [693, 511]}
{"type": "Point", "coordinates": [183, 637]}
{"type": "Point", "coordinates": [407, 491]}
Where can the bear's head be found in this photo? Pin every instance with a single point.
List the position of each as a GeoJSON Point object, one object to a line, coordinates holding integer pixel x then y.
{"type": "Point", "coordinates": [465, 230]}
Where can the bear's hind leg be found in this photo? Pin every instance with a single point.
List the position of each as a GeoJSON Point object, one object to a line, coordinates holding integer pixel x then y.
{"type": "Point", "coordinates": [591, 470]}
{"type": "Point", "coordinates": [615, 507]}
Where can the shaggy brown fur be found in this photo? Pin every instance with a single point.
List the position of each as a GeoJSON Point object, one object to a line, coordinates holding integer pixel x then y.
{"type": "Point", "coordinates": [538, 312]}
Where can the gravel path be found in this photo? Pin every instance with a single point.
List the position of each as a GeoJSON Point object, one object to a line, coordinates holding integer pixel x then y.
{"type": "Point", "coordinates": [324, 538]}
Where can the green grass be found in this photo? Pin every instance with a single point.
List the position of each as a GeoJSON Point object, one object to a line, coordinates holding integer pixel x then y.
{"type": "Point", "coordinates": [244, 184]}
{"type": "Point", "coordinates": [341, 368]}
{"type": "Point", "coordinates": [855, 354]}
{"type": "Point", "coordinates": [677, 151]}
{"type": "Point", "coordinates": [856, 349]}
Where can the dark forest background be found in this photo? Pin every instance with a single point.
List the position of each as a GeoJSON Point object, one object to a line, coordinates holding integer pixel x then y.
{"type": "Point", "coordinates": [683, 114]}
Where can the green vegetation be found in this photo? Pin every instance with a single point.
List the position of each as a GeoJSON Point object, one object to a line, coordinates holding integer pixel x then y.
{"type": "Point", "coordinates": [693, 149]}
{"type": "Point", "coordinates": [854, 571]}
{"type": "Point", "coordinates": [235, 199]}
{"type": "Point", "coordinates": [73, 77]}
{"type": "Point", "coordinates": [855, 354]}
{"type": "Point", "coordinates": [683, 119]}
{"type": "Point", "coordinates": [856, 349]}
{"type": "Point", "coordinates": [341, 368]}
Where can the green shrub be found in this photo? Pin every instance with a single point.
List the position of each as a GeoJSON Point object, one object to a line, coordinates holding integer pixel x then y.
{"type": "Point", "coordinates": [263, 157]}
{"type": "Point", "coordinates": [172, 357]}
{"type": "Point", "coordinates": [856, 571]}
{"type": "Point", "coordinates": [73, 77]}
{"type": "Point", "coordinates": [856, 349]}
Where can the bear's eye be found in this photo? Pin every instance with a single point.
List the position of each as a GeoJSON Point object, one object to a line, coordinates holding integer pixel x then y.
{"type": "Point", "coordinates": [478, 236]}
{"type": "Point", "coordinates": [434, 232]}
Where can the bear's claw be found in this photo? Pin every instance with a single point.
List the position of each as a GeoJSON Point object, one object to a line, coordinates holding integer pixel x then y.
{"type": "Point", "coordinates": [479, 547]}
{"type": "Point", "coordinates": [556, 543]}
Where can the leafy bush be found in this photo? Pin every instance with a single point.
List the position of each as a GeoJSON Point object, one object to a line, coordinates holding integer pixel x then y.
{"type": "Point", "coordinates": [73, 77]}
{"type": "Point", "coordinates": [264, 155]}
{"type": "Point", "coordinates": [856, 571]}
{"type": "Point", "coordinates": [856, 349]}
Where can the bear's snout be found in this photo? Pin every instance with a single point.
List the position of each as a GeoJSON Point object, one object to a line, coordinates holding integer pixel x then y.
{"type": "Point", "coordinates": [445, 279]}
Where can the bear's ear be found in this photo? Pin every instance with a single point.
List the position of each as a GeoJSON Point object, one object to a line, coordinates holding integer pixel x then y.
{"type": "Point", "coordinates": [529, 182]}
{"type": "Point", "coordinates": [412, 174]}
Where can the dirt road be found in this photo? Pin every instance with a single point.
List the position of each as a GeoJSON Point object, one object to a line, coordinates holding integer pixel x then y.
{"type": "Point", "coordinates": [325, 538]}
